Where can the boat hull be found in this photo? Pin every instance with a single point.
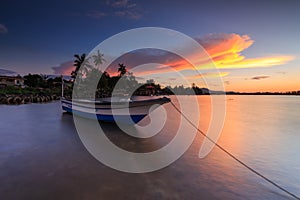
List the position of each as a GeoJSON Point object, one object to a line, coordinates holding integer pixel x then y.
{"type": "Point", "coordinates": [113, 111]}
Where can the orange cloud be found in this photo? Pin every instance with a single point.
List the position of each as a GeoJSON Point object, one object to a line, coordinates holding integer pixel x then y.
{"type": "Point", "coordinates": [255, 62]}
{"type": "Point", "coordinates": [222, 45]}
{"type": "Point", "coordinates": [260, 77]}
{"type": "Point", "coordinates": [225, 50]}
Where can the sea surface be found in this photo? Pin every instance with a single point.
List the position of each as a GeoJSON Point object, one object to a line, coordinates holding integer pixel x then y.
{"type": "Point", "coordinates": [42, 156]}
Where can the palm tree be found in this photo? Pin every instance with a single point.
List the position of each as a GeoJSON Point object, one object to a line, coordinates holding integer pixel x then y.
{"type": "Point", "coordinates": [98, 59]}
{"type": "Point", "coordinates": [122, 69]}
{"type": "Point", "coordinates": [78, 62]}
{"type": "Point", "coordinates": [106, 74]}
{"type": "Point", "coordinates": [44, 77]}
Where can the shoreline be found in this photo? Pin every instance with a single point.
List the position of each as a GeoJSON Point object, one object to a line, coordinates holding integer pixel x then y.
{"type": "Point", "coordinates": [14, 99]}
{"type": "Point", "coordinates": [18, 99]}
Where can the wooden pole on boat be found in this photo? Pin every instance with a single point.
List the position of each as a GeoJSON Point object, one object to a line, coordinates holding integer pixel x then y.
{"type": "Point", "coordinates": [62, 86]}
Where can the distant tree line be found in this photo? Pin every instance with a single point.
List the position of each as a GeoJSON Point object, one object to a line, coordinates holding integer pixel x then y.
{"type": "Point", "coordinates": [41, 81]}
{"type": "Point", "coordinates": [124, 83]}
{"type": "Point", "coordinates": [38, 84]}
{"type": "Point", "coordinates": [106, 84]}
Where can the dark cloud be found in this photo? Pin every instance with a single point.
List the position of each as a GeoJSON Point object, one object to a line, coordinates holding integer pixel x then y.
{"type": "Point", "coordinates": [121, 4]}
{"type": "Point", "coordinates": [144, 56]}
{"type": "Point", "coordinates": [128, 14]}
{"type": "Point", "coordinates": [131, 5]}
{"type": "Point", "coordinates": [7, 72]}
{"type": "Point", "coordinates": [259, 77]}
{"type": "Point", "coordinates": [96, 14]}
{"type": "Point", "coordinates": [227, 82]}
{"type": "Point", "coordinates": [120, 8]}
{"type": "Point", "coordinates": [129, 11]}
{"type": "Point", "coordinates": [3, 29]}
{"type": "Point", "coordinates": [118, 3]}
{"type": "Point", "coordinates": [64, 68]}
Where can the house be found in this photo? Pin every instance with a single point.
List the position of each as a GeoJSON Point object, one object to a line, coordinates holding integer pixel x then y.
{"type": "Point", "coordinates": [150, 90]}
{"type": "Point", "coordinates": [11, 81]}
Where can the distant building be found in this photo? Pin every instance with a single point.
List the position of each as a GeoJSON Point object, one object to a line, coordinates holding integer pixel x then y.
{"type": "Point", "coordinates": [11, 81]}
{"type": "Point", "coordinates": [150, 90]}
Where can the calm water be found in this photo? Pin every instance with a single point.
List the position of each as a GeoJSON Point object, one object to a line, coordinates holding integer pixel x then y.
{"type": "Point", "coordinates": [42, 157]}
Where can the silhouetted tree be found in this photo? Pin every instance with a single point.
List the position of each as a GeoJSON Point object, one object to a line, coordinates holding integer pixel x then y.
{"type": "Point", "coordinates": [150, 82]}
{"type": "Point", "coordinates": [44, 77]}
{"type": "Point", "coordinates": [33, 80]}
{"type": "Point", "coordinates": [81, 65]}
{"type": "Point", "coordinates": [98, 58]}
{"type": "Point", "coordinates": [122, 69]}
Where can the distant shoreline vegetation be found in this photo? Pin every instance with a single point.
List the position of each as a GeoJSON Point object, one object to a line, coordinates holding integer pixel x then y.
{"type": "Point", "coordinates": [40, 88]}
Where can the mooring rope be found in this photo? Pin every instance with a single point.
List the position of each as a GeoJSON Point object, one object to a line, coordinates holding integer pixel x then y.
{"type": "Point", "coordinates": [234, 157]}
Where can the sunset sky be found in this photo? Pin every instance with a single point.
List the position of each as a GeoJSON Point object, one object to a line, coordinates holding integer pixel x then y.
{"type": "Point", "coordinates": [254, 44]}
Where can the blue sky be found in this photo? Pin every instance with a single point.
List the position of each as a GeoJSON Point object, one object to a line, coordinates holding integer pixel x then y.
{"type": "Point", "coordinates": [38, 35]}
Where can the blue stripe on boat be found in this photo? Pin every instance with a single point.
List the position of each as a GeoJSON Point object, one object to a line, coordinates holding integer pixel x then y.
{"type": "Point", "coordinates": [106, 118]}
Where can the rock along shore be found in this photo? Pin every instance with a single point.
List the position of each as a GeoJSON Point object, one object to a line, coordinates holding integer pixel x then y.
{"type": "Point", "coordinates": [24, 99]}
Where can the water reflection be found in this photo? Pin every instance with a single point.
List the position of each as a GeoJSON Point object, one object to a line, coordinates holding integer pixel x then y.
{"type": "Point", "coordinates": [42, 156]}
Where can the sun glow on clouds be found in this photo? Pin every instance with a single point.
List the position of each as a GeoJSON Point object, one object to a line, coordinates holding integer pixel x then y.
{"type": "Point", "coordinates": [225, 45]}
{"type": "Point", "coordinates": [223, 51]}
{"type": "Point", "coordinates": [255, 62]}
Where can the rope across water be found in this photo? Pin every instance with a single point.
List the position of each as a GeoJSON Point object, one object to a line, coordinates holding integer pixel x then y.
{"type": "Point", "coordinates": [235, 158]}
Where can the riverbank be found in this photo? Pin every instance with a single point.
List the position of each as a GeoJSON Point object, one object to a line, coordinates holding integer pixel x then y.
{"type": "Point", "coordinates": [14, 99]}
{"type": "Point", "coordinates": [11, 95]}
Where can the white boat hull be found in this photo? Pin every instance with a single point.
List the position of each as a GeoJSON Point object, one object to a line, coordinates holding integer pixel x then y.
{"type": "Point", "coordinates": [112, 111]}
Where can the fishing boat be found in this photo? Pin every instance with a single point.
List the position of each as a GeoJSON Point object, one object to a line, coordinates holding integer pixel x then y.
{"type": "Point", "coordinates": [112, 110]}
